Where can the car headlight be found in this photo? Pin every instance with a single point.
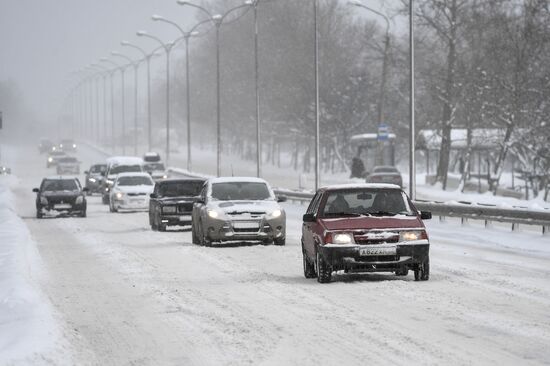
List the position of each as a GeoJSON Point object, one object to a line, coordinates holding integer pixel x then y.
{"type": "Point", "coordinates": [411, 235]}
{"type": "Point", "coordinates": [119, 195]}
{"type": "Point", "coordinates": [79, 200]}
{"type": "Point", "coordinates": [342, 238]}
{"type": "Point", "coordinates": [74, 146]}
{"type": "Point", "coordinates": [109, 182]}
{"type": "Point", "coordinates": [169, 209]}
{"type": "Point", "coordinates": [61, 146]}
{"type": "Point", "coordinates": [93, 180]}
{"type": "Point", "coordinates": [53, 148]}
{"type": "Point", "coordinates": [213, 214]}
{"type": "Point", "coordinates": [43, 200]}
{"type": "Point", "coordinates": [164, 176]}
{"type": "Point", "coordinates": [276, 213]}
{"type": "Point", "coordinates": [50, 159]}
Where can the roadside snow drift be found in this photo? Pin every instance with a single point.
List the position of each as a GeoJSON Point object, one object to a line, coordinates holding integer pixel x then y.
{"type": "Point", "coordinates": [27, 328]}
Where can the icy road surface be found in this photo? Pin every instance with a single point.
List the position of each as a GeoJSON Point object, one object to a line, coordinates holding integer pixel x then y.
{"type": "Point", "coordinates": [125, 295]}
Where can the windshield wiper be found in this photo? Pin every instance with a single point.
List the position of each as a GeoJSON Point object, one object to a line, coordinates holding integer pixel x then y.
{"type": "Point", "coordinates": [347, 214]}
{"type": "Point", "coordinates": [383, 213]}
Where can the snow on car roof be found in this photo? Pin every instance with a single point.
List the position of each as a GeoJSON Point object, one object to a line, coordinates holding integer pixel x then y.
{"type": "Point", "coordinates": [61, 177]}
{"type": "Point", "coordinates": [237, 179]}
{"type": "Point", "coordinates": [151, 154]}
{"type": "Point", "coordinates": [362, 186]}
{"type": "Point", "coordinates": [124, 160]}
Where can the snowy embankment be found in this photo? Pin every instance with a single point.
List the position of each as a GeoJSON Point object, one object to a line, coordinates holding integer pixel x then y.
{"type": "Point", "coordinates": [28, 332]}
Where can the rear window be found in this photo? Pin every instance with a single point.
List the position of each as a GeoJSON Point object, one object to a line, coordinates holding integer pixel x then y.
{"type": "Point", "coordinates": [125, 169]}
{"type": "Point", "coordinates": [51, 185]}
{"type": "Point", "coordinates": [153, 166]}
{"type": "Point", "coordinates": [134, 181]}
{"type": "Point", "coordinates": [98, 168]}
{"type": "Point", "coordinates": [176, 189]}
{"type": "Point", "coordinates": [385, 169]}
{"type": "Point", "coordinates": [239, 191]}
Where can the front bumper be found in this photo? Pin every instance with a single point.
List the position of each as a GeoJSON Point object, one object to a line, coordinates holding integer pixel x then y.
{"type": "Point", "coordinates": [237, 230]}
{"type": "Point", "coordinates": [348, 257]}
{"type": "Point", "coordinates": [130, 203]}
{"type": "Point", "coordinates": [61, 208]}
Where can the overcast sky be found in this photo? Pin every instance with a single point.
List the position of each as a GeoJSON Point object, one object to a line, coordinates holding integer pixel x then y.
{"type": "Point", "coordinates": [42, 41]}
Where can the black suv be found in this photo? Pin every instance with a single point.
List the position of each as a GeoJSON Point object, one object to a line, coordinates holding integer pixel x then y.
{"type": "Point", "coordinates": [172, 202]}
{"type": "Point", "coordinates": [60, 195]}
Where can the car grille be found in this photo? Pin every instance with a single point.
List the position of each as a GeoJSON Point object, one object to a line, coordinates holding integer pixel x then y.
{"type": "Point", "coordinates": [185, 207]}
{"type": "Point", "coordinates": [53, 200]}
{"type": "Point", "coordinates": [136, 194]}
{"type": "Point", "coordinates": [368, 238]}
{"type": "Point", "coordinates": [253, 214]}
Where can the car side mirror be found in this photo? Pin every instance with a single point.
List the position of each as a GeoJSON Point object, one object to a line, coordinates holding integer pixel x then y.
{"type": "Point", "coordinates": [309, 217]}
{"type": "Point", "coordinates": [281, 198]}
{"type": "Point", "coordinates": [85, 189]}
{"type": "Point", "coordinates": [35, 190]}
{"type": "Point", "coordinates": [153, 195]}
{"type": "Point", "coordinates": [86, 172]}
{"type": "Point", "coordinates": [425, 215]}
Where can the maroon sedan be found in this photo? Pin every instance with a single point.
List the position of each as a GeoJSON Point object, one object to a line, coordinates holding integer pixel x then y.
{"type": "Point", "coordinates": [364, 228]}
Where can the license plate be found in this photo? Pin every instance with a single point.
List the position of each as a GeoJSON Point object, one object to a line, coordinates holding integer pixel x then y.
{"type": "Point", "coordinates": [246, 225]}
{"type": "Point", "coordinates": [62, 206]}
{"type": "Point", "coordinates": [138, 201]}
{"type": "Point", "coordinates": [378, 251]}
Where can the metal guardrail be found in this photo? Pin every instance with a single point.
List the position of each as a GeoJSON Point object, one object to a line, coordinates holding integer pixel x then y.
{"type": "Point", "coordinates": [465, 210]}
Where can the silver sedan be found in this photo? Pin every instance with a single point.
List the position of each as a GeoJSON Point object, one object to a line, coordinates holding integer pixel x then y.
{"type": "Point", "coordinates": [238, 209]}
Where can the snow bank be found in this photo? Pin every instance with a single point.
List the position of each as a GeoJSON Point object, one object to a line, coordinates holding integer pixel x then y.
{"type": "Point", "coordinates": [27, 327]}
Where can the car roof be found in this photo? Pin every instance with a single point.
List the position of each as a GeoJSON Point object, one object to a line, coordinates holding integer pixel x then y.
{"type": "Point", "coordinates": [237, 179]}
{"type": "Point", "coordinates": [60, 177]}
{"type": "Point", "coordinates": [124, 160]}
{"type": "Point", "coordinates": [337, 187]}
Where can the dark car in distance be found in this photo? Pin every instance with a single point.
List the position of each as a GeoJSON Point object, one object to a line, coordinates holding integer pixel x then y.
{"type": "Point", "coordinates": [364, 228]}
{"type": "Point", "coordinates": [45, 146]}
{"type": "Point", "coordinates": [67, 145]}
{"type": "Point", "coordinates": [60, 195]}
{"type": "Point", "coordinates": [385, 174]}
{"type": "Point", "coordinates": [94, 177]}
{"type": "Point", "coordinates": [172, 202]}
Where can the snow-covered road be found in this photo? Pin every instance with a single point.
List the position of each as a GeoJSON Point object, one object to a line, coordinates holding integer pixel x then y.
{"type": "Point", "coordinates": [125, 295]}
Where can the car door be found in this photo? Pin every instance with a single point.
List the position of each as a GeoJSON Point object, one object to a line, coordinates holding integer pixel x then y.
{"type": "Point", "coordinates": [308, 228]}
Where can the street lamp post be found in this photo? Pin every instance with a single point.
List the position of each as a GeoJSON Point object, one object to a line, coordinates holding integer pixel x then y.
{"type": "Point", "coordinates": [167, 48]}
{"type": "Point", "coordinates": [217, 20]}
{"type": "Point", "coordinates": [135, 65]}
{"type": "Point", "coordinates": [123, 113]}
{"type": "Point", "coordinates": [148, 61]}
{"type": "Point", "coordinates": [104, 73]}
{"type": "Point", "coordinates": [412, 161]}
{"type": "Point", "coordinates": [186, 36]}
{"type": "Point", "coordinates": [317, 128]}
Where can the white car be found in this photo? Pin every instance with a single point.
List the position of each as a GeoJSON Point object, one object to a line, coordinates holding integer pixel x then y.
{"type": "Point", "coordinates": [131, 192]}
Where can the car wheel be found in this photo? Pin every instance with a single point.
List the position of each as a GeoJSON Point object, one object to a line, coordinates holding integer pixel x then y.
{"type": "Point", "coordinates": [194, 238]}
{"type": "Point", "coordinates": [203, 238]}
{"type": "Point", "coordinates": [279, 241]}
{"type": "Point", "coordinates": [83, 213]}
{"type": "Point", "coordinates": [309, 268]}
{"type": "Point", "coordinates": [105, 199]}
{"type": "Point", "coordinates": [39, 214]}
{"type": "Point", "coordinates": [324, 272]}
{"type": "Point", "coordinates": [422, 272]}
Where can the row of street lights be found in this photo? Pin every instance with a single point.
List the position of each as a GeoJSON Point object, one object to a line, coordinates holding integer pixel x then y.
{"type": "Point", "coordinates": [217, 20]}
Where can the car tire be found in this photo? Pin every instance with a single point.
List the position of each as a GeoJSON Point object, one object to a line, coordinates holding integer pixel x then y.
{"type": "Point", "coordinates": [202, 237]}
{"type": "Point", "coordinates": [324, 272]}
{"type": "Point", "coordinates": [194, 238]}
{"type": "Point", "coordinates": [83, 213]}
{"type": "Point", "coordinates": [39, 214]}
{"type": "Point", "coordinates": [309, 268]}
{"type": "Point", "coordinates": [112, 208]}
{"type": "Point", "coordinates": [402, 272]}
{"type": "Point", "coordinates": [422, 273]}
{"type": "Point", "coordinates": [279, 241]}
{"type": "Point", "coordinates": [105, 199]}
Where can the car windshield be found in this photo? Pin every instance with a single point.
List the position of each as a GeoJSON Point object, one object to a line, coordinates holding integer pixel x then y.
{"type": "Point", "coordinates": [235, 191]}
{"type": "Point", "coordinates": [68, 160]}
{"type": "Point", "coordinates": [125, 169]}
{"type": "Point", "coordinates": [97, 169]}
{"type": "Point", "coordinates": [376, 202]}
{"type": "Point", "coordinates": [57, 153]}
{"type": "Point", "coordinates": [176, 189]}
{"type": "Point", "coordinates": [153, 166]}
{"type": "Point", "coordinates": [151, 157]}
{"type": "Point", "coordinates": [134, 181]}
{"type": "Point", "coordinates": [385, 169]}
{"type": "Point", "coordinates": [59, 185]}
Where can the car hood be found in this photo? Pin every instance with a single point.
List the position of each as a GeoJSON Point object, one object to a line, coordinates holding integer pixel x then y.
{"type": "Point", "coordinates": [372, 222]}
{"type": "Point", "coordinates": [135, 189]}
{"type": "Point", "coordinates": [173, 200]}
{"type": "Point", "coordinates": [245, 206]}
